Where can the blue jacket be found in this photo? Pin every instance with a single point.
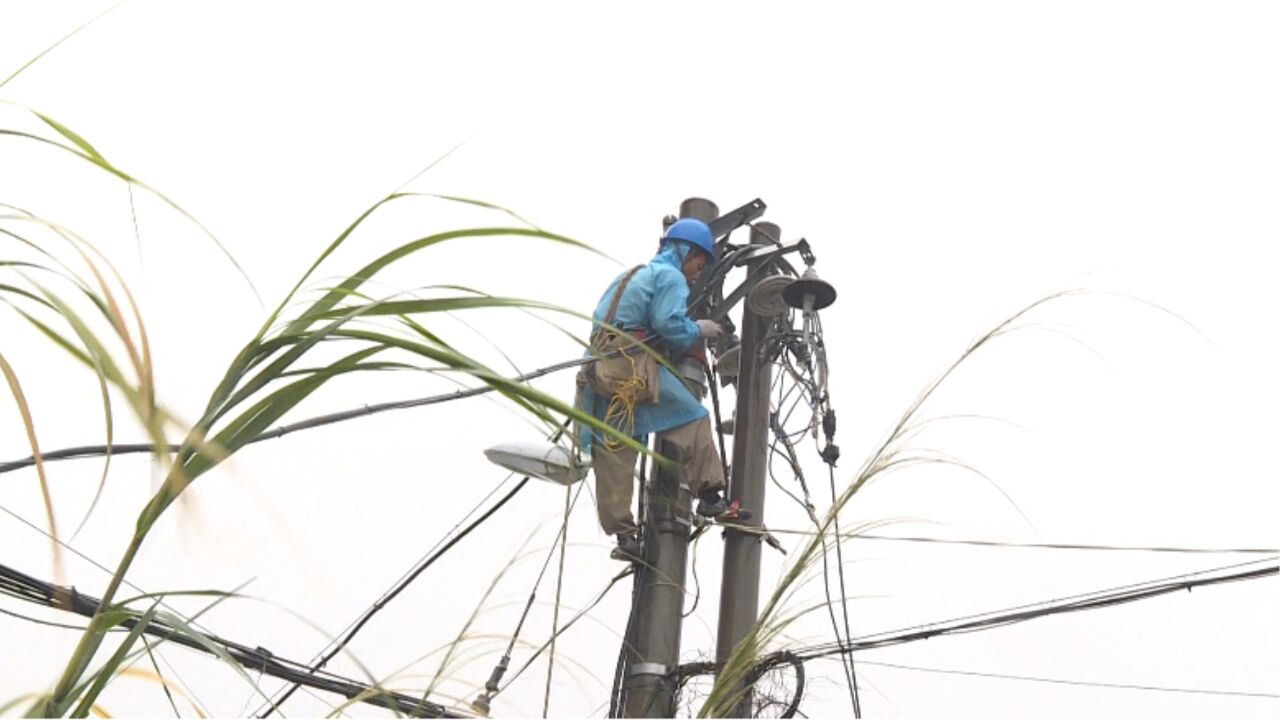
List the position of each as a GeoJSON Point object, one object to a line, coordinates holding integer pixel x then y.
{"type": "Point", "coordinates": [655, 300]}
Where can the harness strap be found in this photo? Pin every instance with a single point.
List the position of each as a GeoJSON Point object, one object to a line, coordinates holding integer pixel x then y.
{"type": "Point", "coordinates": [617, 297]}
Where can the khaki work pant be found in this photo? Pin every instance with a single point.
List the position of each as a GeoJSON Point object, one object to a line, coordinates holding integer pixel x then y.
{"type": "Point", "coordinates": [689, 445]}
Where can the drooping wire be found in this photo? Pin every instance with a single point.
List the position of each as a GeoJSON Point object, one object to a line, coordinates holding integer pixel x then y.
{"type": "Point", "coordinates": [414, 572]}
{"type": "Point", "coordinates": [421, 559]}
{"type": "Point", "coordinates": [693, 567]}
{"type": "Point", "coordinates": [844, 602]}
{"type": "Point", "coordinates": [491, 686]}
{"type": "Point", "coordinates": [561, 630]}
{"type": "Point", "coordinates": [555, 617]}
{"type": "Point", "coordinates": [195, 699]}
{"type": "Point", "coordinates": [811, 393]}
{"type": "Point", "coordinates": [392, 593]}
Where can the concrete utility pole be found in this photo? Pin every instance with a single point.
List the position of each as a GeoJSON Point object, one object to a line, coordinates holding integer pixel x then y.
{"type": "Point", "coordinates": [740, 581]}
{"type": "Point", "coordinates": [659, 584]}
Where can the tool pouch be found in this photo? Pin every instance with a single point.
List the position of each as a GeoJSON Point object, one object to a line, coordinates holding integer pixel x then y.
{"type": "Point", "coordinates": [632, 374]}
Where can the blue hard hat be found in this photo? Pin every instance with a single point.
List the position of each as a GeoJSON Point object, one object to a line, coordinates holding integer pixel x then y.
{"type": "Point", "coordinates": [693, 231]}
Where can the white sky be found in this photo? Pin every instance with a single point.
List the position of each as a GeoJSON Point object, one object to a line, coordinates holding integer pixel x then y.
{"type": "Point", "coordinates": [949, 163]}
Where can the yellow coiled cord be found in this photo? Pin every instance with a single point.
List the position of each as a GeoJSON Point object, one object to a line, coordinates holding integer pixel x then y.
{"type": "Point", "coordinates": [621, 413]}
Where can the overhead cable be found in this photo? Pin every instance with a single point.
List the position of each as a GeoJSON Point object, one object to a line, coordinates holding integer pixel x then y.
{"type": "Point", "coordinates": [391, 594]}
{"type": "Point", "coordinates": [1065, 546]}
{"type": "Point", "coordinates": [764, 530]}
{"type": "Point", "coordinates": [1061, 681]}
{"type": "Point", "coordinates": [1001, 618]}
{"type": "Point", "coordinates": [1084, 602]}
{"type": "Point", "coordinates": [577, 616]}
{"type": "Point", "coordinates": [89, 451]}
{"type": "Point", "coordinates": [24, 587]}
{"type": "Point", "coordinates": [495, 676]}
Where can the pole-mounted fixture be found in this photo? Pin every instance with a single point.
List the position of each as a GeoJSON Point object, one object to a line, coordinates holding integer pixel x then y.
{"type": "Point", "coordinates": [810, 292]}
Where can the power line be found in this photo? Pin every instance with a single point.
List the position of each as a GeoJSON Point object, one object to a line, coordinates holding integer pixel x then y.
{"type": "Point", "coordinates": [390, 595]}
{"type": "Point", "coordinates": [189, 620]}
{"type": "Point", "coordinates": [403, 578]}
{"type": "Point", "coordinates": [578, 616]}
{"type": "Point", "coordinates": [812, 392]}
{"type": "Point", "coordinates": [1065, 546]}
{"type": "Point", "coordinates": [88, 451]}
{"type": "Point", "coordinates": [417, 570]}
{"type": "Point", "coordinates": [495, 676]}
{"type": "Point", "coordinates": [1022, 545]}
{"type": "Point", "coordinates": [24, 587]}
{"type": "Point", "coordinates": [24, 592]}
{"type": "Point", "coordinates": [47, 623]}
{"type": "Point", "coordinates": [98, 565]}
{"type": "Point", "coordinates": [1061, 681]}
{"type": "Point", "coordinates": [1077, 603]}
{"type": "Point", "coordinates": [844, 596]}
{"type": "Point", "coordinates": [1000, 618]}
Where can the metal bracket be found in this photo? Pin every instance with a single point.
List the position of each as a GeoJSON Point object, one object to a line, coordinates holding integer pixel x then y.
{"type": "Point", "coordinates": [757, 253]}
{"type": "Point", "coordinates": [647, 668]}
{"type": "Point", "coordinates": [761, 252]}
{"type": "Point", "coordinates": [735, 219]}
{"type": "Point", "coordinates": [675, 525]}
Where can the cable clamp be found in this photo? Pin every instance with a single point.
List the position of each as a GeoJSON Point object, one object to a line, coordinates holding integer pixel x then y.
{"type": "Point", "coordinates": [647, 668]}
{"type": "Point", "coordinates": [676, 525]}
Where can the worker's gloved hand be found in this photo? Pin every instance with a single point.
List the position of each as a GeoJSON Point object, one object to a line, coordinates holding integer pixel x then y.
{"type": "Point", "coordinates": [710, 329]}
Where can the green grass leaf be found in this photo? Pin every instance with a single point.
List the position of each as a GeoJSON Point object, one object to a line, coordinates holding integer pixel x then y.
{"type": "Point", "coordinates": [108, 670]}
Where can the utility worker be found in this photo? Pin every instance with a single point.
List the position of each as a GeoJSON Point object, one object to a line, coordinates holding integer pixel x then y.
{"type": "Point", "coordinates": [634, 394]}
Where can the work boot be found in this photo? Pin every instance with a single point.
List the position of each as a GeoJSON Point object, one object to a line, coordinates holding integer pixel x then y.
{"type": "Point", "coordinates": [722, 511]}
{"type": "Point", "coordinates": [627, 549]}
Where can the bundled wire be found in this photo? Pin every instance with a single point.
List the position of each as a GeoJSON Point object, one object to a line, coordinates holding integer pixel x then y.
{"type": "Point", "coordinates": [808, 382]}
{"type": "Point", "coordinates": [16, 584]}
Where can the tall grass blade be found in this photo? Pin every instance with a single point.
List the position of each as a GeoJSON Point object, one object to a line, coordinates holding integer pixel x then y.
{"type": "Point", "coordinates": [108, 670]}
{"type": "Point", "coordinates": [63, 39]}
{"type": "Point", "coordinates": [15, 388]}
{"type": "Point", "coordinates": [90, 155]}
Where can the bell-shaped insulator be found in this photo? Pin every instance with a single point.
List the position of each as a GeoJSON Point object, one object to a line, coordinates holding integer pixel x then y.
{"type": "Point", "coordinates": [817, 292]}
{"type": "Point", "coordinates": [766, 297]}
{"type": "Point", "coordinates": [727, 364]}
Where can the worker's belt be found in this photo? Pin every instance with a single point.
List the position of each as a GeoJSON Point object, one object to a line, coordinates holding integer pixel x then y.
{"type": "Point", "coordinates": [640, 334]}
